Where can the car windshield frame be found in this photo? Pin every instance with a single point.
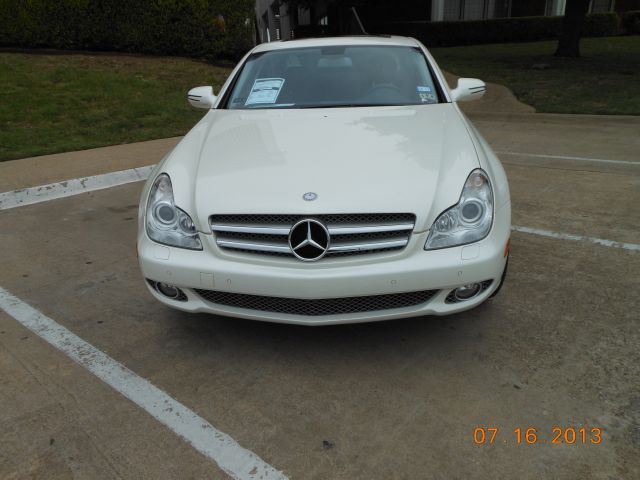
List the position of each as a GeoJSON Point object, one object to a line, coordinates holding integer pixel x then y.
{"type": "Point", "coordinates": [434, 91]}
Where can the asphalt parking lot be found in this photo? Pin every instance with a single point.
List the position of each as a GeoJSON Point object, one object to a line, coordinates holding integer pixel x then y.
{"type": "Point", "coordinates": [557, 348]}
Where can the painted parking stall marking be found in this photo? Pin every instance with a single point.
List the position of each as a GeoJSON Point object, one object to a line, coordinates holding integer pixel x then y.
{"type": "Point", "coordinates": [236, 461]}
{"type": "Point", "coordinates": [577, 238]}
{"type": "Point", "coordinates": [564, 157]}
{"type": "Point", "coordinates": [76, 186]}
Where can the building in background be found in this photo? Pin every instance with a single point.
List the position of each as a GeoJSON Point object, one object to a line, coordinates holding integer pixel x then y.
{"type": "Point", "coordinates": [276, 21]}
{"type": "Point", "coordinates": [451, 10]}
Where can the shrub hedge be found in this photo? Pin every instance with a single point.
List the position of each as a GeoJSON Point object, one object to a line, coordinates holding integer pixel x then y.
{"type": "Point", "coordinates": [631, 22]}
{"type": "Point", "coordinates": [200, 28]}
{"type": "Point", "coordinates": [497, 30]}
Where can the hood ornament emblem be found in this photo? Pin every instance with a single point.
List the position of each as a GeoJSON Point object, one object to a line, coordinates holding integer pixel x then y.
{"type": "Point", "coordinates": [310, 196]}
{"type": "Point", "coordinates": [309, 240]}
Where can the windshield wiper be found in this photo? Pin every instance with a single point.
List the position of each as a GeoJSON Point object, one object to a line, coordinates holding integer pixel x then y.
{"type": "Point", "coordinates": [269, 105]}
{"type": "Point", "coordinates": [351, 105]}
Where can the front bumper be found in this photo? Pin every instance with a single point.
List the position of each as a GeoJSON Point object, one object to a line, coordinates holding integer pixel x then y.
{"type": "Point", "coordinates": [411, 270]}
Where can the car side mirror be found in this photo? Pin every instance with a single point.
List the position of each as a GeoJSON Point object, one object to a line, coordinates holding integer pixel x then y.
{"type": "Point", "coordinates": [468, 89]}
{"type": "Point", "coordinates": [201, 97]}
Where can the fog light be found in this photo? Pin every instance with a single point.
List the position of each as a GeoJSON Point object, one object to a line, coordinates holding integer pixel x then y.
{"type": "Point", "coordinates": [465, 292]}
{"type": "Point", "coordinates": [168, 290]}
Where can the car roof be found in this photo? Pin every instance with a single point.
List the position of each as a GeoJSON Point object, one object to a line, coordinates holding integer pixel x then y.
{"type": "Point", "coordinates": [338, 41]}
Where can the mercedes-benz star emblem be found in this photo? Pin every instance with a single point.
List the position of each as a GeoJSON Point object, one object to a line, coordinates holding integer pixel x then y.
{"type": "Point", "coordinates": [309, 240]}
{"type": "Point", "coordinates": [310, 196]}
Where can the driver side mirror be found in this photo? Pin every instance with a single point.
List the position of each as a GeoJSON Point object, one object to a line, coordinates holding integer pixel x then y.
{"type": "Point", "coordinates": [201, 97]}
{"type": "Point", "coordinates": [468, 89]}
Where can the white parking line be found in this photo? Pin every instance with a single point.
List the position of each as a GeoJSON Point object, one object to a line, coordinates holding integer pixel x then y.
{"type": "Point", "coordinates": [235, 460]}
{"type": "Point", "coordinates": [44, 193]}
{"type": "Point", "coordinates": [577, 238]}
{"type": "Point", "coordinates": [563, 157]}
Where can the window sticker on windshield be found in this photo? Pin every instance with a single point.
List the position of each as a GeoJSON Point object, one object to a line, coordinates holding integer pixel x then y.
{"type": "Point", "coordinates": [426, 95]}
{"type": "Point", "coordinates": [265, 90]}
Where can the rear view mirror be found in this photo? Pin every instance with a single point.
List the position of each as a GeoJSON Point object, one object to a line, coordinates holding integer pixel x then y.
{"type": "Point", "coordinates": [468, 89]}
{"type": "Point", "coordinates": [201, 97]}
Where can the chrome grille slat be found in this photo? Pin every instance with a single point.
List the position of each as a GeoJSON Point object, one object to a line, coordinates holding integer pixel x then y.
{"type": "Point", "coordinates": [254, 246]}
{"type": "Point", "coordinates": [361, 247]}
{"type": "Point", "coordinates": [335, 247]}
{"type": "Point", "coordinates": [258, 229]}
{"type": "Point", "coordinates": [333, 230]}
{"type": "Point", "coordinates": [351, 234]}
{"type": "Point", "coordinates": [369, 229]}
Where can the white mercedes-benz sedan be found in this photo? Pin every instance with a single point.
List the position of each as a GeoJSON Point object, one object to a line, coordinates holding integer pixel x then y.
{"type": "Point", "coordinates": [332, 180]}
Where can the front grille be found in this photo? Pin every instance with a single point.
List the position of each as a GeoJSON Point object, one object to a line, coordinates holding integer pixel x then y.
{"type": "Point", "coordinates": [318, 307]}
{"type": "Point", "coordinates": [351, 234]}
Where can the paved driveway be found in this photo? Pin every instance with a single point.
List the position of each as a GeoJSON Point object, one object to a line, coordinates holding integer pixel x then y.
{"type": "Point", "coordinates": [558, 348]}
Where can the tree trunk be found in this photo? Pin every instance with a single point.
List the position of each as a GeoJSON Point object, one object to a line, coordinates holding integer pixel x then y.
{"type": "Point", "coordinates": [569, 41]}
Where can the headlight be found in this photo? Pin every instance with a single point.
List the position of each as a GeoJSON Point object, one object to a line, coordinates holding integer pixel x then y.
{"type": "Point", "coordinates": [469, 220]}
{"type": "Point", "coordinates": [165, 222]}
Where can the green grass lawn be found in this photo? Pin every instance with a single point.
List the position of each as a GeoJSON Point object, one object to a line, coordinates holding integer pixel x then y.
{"type": "Point", "coordinates": [58, 103]}
{"type": "Point", "coordinates": [605, 80]}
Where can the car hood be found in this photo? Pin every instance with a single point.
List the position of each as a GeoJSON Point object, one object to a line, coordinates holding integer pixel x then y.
{"type": "Point", "coordinates": [410, 159]}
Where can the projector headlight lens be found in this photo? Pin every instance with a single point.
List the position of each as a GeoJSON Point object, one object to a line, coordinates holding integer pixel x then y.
{"type": "Point", "coordinates": [469, 220]}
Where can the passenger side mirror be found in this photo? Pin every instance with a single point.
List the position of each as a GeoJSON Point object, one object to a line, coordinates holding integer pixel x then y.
{"type": "Point", "coordinates": [201, 97]}
{"type": "Point", "coordinates": [468, 89]}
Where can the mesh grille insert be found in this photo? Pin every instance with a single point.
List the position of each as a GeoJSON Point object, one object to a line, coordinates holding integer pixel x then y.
{"type": "Point", "coordinates": [329, 219]}
{"type": "Point", "coordinates": [318, 307]}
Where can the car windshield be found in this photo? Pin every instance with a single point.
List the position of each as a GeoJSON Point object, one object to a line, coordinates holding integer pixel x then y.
{"type": "Point", "coordinates": [334, 76]}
